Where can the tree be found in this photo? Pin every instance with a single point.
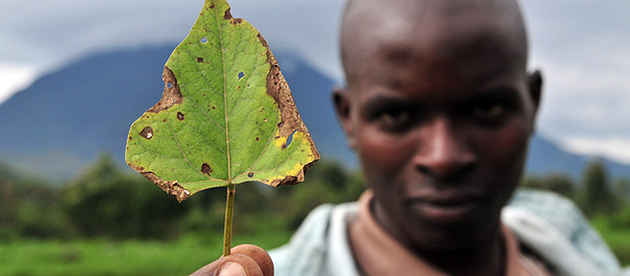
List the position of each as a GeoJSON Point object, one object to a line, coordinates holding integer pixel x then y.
{"type": "Point", "coordinates": [105, 201]}
{"type": "Point", "coordinates": [560, 183]}
{"type": "Point", "coordinates": [596, 195]}
{"type": "Point", "coordinates": [556, 182]}
{"type": "Point", "coordinates": [622, 189]}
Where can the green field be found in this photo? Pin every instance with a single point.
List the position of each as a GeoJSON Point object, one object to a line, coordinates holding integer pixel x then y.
{"type": "Point", "coordinates": [106, 222]}
{"type": "Point", "coordinates": [180, 257]}
{"type": "Point", "coordinates": [618, 239]}
{"type": "Point", "coordinates": [108, 258]}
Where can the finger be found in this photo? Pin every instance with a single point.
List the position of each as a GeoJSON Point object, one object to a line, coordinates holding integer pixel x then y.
{"type": "Point", "coordinates": [259, 255]}
{"type": "Point", "coordinates": [261, 264]}
{"type": "Point", "coordinates": [239, 265]}
{"type": "Point", "coordinates": [209, 269]}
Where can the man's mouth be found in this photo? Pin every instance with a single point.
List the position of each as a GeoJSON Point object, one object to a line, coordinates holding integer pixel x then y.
{"type": "Point", "coordinates": [447, 208]}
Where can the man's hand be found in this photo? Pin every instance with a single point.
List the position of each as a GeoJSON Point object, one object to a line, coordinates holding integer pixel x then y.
{"type": "Point", "coordinates": [245, 260]}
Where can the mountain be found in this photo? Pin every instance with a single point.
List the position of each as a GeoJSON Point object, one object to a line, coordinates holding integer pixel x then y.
{"type": "Point", "coordinates": [547, 157]}
{"type": "Point", "coordinates": [59, 123]}
{"type": "Point", "coordinates": [65, 118]}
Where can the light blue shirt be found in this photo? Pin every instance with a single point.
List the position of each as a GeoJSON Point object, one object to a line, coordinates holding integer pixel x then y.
{"type": "Point", "coordinates": [548, 224]}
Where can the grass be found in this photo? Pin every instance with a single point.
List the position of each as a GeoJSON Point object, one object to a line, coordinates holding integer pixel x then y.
{"type": "Point", "coordinates": [179, 257]}
{"type": "Point", "coordinates": [617, 239]}
{"type": "Point", "coordinates": [108, 258]}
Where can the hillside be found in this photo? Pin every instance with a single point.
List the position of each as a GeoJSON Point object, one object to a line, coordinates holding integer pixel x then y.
{"type": "Point", "coordinates": [59, 123]}
{"type": "Point", "coordinates": [65, 118]}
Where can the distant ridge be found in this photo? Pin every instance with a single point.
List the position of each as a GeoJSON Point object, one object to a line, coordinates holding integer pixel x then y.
{"type": "Point", "coordinates": [65, 118]}
{"type": "Point", "coordinates": [546, 157]}
{"type": "Point", "coordinates": [59, 123]}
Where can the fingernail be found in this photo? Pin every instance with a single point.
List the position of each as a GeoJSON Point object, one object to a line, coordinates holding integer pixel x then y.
{"type": "Point", "coordinates": [232, 269]}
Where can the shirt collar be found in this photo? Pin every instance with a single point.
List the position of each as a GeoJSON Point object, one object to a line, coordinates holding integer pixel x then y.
{"type": "Point", "coordinates": [378, 253]}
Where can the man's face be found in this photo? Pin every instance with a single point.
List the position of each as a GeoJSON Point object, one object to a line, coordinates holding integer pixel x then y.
{"type": "Point", "coordinates": [440, 114]}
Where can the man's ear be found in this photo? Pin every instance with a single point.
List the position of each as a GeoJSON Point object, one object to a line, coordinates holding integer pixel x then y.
{"type": "Point", "coordinates": [342, 101]}
{"type": "Point", "coordinates": [535, 82]}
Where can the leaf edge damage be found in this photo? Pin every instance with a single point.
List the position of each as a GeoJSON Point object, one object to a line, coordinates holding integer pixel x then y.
{"type": "Point", "coordinates": [172, 188]}
{"type": "Point", "coordinates": [290, 120]}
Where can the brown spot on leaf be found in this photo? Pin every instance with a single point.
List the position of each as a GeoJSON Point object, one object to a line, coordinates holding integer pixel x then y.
{"type": "Point", "coordinates": [147, 133]}
{"type": "Point", "coordinates": [289, 180]}
{"type": "Point", "coordinates": [264, 43]}
{"type": "Point", "coordinates": [227, 15]}
{"type": "Point", "coordinates": [172, 188]}
{"type": "Point", "coordinates": [180, 116]}
{"type": "Point", "coordinates": [199, 59]}
{"type": "Point", "coordinates": [206, 169]}
{"type": "Point", "coordinates": [171, 95]}
{"type": "Point", "coordinates": [257, 139]}
{"type": "Point", "coordinates": [290, 120]}
{"type": "Point", "coordinates": [211, 6]}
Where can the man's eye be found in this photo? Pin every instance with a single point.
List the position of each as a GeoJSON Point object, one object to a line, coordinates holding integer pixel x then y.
{"type": "Point", "coordinates": [488, 111]}
{"type": "Point", "coordinates": [394, 119]}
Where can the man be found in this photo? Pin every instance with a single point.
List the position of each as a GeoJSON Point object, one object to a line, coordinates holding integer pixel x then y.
{"type": "Point", "coordinates": [439, 107]}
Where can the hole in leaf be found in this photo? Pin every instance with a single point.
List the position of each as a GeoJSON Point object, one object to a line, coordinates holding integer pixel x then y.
{"type": "Point", "coordinates": [250, 175]}
{"type": "Point", "coordinates": [180, 116]}
{"type": "Point", "coordinates": [225, 50]}
{"type": "Point", "coordinates": [240, 75]}
{"type": "Point", "coordinates": [147, 133]}
{"type": "Point", "coordinates": [290, 139]}
{"type": "Point", "coordinates": [206, 169]}
{"type": "Point", "coordinates": [169, 85]}
{"type": "Point", "coordinates": [249, 85]}
{"type": "Point", "coordinates": [204, 40]}
{"type": "Point", "coordinates": [199, 59]}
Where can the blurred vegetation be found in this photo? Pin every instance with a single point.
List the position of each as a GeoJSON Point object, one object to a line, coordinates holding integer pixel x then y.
{"type": "Point", "coordinates": [105, 201]}
{"type": "Point", "coordinates": [604, 201]}
{"type": "Point", "coordinates": [110, 221]}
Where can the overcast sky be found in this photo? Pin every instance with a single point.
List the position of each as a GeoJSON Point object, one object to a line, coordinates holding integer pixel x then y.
{"type": "Point", "coordinates": [582, 47]}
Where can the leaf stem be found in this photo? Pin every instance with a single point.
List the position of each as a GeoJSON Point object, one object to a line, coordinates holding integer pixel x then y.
{"type": "Point", "coordinates": [229, 216]}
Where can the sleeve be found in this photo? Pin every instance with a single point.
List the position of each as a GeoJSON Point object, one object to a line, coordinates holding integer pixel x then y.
{"type": "Point", "coordinates": [561, 214]}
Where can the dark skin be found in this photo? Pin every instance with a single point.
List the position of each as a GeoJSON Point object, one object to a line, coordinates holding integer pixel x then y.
{"type": "Point", "coordinates": [245, 260]}
{"type": "Point", "coordinates": [440, 108]}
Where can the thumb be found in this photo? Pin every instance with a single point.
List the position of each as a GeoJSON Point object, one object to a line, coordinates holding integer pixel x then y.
{"type": "Point", "coordinates": [231, 269]}
{"type": "Point", "coordinates": [239, 265]}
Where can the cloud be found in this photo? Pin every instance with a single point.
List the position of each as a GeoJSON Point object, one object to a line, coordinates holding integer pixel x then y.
{"type": "Point", "coordinates": [51, 32]}
{"type": "Point", "coordinates": [14, 77]}
{"type": "Point", "coordinates": [583, 48]}
{"type": "Point", "coordinates": [613, 148]}
{"type": "Point", "coordinates": [48, 34]}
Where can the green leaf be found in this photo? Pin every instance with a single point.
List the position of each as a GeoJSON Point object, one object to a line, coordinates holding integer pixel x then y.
{"type": "Point", "coordinates": [226, 115]}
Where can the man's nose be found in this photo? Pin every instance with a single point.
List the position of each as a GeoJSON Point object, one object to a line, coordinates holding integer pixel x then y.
{"type": "Point", "coordinates": [443, 152]}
